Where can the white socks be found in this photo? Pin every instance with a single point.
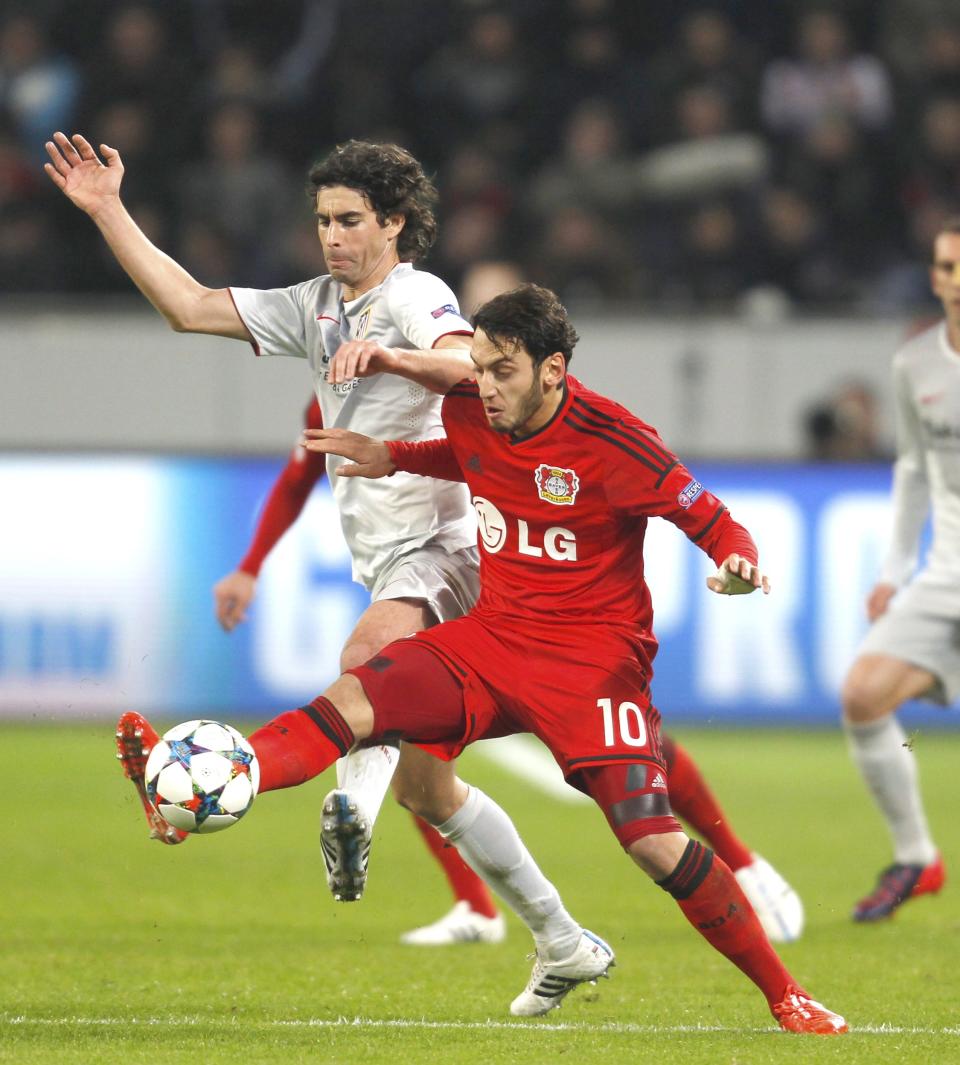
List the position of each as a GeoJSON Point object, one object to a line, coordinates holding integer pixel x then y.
{"type": "Point", "coordinates": [366, 773]}
{"type": "Point", "coordinates": [490, 845]}
{"type": "Point", "coordinates": [890, 771]}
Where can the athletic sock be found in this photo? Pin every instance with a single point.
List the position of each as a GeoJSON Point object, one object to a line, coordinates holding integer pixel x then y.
{"type": "Point", "coordinates": [366, 773]}
{"type": "Point", "coordinates": [889, 768]}
{"type": "Point", "coordinates": [464, 883]}
{"type": "Point", "coordinates": [300, 744]}
{"type": "Point", "coordinates": [711, 900]}
{"type": "Point", "coordinates": [490, 845]}
{"type": "Point", "coordinates": [692, 800]}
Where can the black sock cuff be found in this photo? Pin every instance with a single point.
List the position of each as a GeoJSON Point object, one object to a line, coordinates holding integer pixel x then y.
{"type": "Point", "coordinates": [330, 721]}
{"type": "Point", "coordinates": [691, 871]}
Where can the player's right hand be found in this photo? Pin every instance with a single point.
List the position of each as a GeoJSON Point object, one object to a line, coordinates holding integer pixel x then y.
{"type": "Point", "coordinates": [879, 599]}
{"type": "Point", "coordinates": [76, 170]}
{"type": "Point", "coordinates": [370, 458]}
{"type": "Point", "coordinates": [231, 597]}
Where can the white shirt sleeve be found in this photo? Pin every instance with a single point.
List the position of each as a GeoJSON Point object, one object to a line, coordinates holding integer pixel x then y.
{"type": "Point", "coordinates": [275, 318]}
{"type": "Point", "coordinates": [425, 309]}
{"type": "Point", "coordinates": [911, 492]}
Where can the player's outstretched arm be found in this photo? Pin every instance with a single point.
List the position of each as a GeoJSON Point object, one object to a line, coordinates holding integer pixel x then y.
{"type": "Point", "coordinates": [438, 369]}
{"type": "Point", "coordinates": [738, 576]}
{"type": "Point", "coordinates": [94, 186]}
{"type": "Point", "coordinates": [370, 458]}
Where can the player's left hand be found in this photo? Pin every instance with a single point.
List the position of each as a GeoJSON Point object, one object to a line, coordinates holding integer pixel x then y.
{"type": "Point", "coordinates": [738, 576]}
{"type": "Point", "coordinates": [370, 458]}
{"type": "Point", "coordinates": [361, 358]}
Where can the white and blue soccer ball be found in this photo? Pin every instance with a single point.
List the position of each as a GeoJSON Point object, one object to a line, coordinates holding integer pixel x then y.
{"type": "Point", "coordinates": [202, 776]}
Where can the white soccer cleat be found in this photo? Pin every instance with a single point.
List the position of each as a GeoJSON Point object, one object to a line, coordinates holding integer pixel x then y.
{"type": "Point", "coordinates": [776, 903]}
{"type": "Point", "coordinates": [345, 841]}
{"type": "Point", "coordinates": [460, 925]}
{"type": "Point", "coordinates": [551, 982]}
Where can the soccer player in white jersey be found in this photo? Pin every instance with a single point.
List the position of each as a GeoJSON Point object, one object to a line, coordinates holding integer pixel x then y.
{"type": "Point", "coordinates": [412, 540]}
{"type": "Point", "coordinates": [912, 650]}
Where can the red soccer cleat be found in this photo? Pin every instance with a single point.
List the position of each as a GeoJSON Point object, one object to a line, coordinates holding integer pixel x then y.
{"type": "Point", "coordinates": [797, 1012]}
{"type": "Point", "coordinates": [135, 740]}
{"type": "Point", "coordinates": [895, 885]}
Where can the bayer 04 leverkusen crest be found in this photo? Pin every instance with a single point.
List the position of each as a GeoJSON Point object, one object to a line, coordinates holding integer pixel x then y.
{"type": "Point", "coordinates": [556, 485]}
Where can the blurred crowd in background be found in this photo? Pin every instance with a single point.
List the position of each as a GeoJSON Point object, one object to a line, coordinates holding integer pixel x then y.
{"type": "Point", "coordinates": [667, 155]}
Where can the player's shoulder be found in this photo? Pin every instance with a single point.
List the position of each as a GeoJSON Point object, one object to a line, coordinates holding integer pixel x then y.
{"type": "Point", "coordinates": [610, 425]}
{"type": "Point", "coordinates": [921, 346]}
{"type": "Point", "coordinates": [405, 282]}
{"type": "Point", "coordinates": [463, 393]}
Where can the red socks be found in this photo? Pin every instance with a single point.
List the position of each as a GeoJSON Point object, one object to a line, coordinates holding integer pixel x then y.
{"type": "Point", "coordinates": [464, 882]}
{"type": "Point", "coordinates": [711, 900]}
{"type": "Point", "coordinates": [692, 799]}
{"type": "Point", "coordinates": [300, 744]}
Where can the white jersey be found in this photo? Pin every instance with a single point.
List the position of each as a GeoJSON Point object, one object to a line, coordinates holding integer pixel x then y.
{"type": "Point", "coordinates": [927, 471]}
{"type": "Point", "coordinates": [382, 520]}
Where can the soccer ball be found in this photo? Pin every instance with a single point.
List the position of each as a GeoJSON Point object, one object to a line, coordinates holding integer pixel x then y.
{"type": "Point", "coordinates": [202, 776]}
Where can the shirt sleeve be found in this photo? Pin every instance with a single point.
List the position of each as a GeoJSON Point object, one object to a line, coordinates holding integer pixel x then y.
{"type": "Point", "coordinates": [428, 458]}
{"type": "Point", "coordinates": [911, 491]}
{"type": "Point", "coordinates": [287, 497]}
{"type": "Point", "coordinates": [275, 319]}
{"type": "Point", "coordinates": [651, 481]}
{"type": "Point", "coordinates": [425, 309]}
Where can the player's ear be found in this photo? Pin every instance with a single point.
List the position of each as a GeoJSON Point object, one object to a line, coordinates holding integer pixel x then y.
{"type": "Point", "coordinates": [554, 369]}
{"type": "Point", "coordinates": [394, 225]}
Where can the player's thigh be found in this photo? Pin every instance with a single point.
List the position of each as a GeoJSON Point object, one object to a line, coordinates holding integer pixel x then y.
{"type": "Point", "coordinates": [877, 684]}
{"type": "Point", "coordinates": [381, 623]}
{"type": "Point", "coordinates": [427, 786]}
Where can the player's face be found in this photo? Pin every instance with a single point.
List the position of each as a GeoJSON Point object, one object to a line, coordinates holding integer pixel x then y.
{"type": "Point", "coordinates": [517, 398]}
{"type": "Point", "coordinates": [358, 250]}
{"type": "Point", "coordinates": [945, 273]}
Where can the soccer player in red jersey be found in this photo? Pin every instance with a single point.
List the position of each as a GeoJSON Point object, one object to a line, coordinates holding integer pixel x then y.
{"type": "Point", "coordinates": [474, 915]}
{"type": "Point", "coordinates": [560, 641]}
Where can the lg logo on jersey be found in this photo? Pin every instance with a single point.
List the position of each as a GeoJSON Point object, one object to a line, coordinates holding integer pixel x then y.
{"type": "Point", "coordinates": [557, 543]}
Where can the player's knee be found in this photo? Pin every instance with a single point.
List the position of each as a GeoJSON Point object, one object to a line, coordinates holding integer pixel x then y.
{"type": "Point", "coordinates": [862, 697]}
{"type": "Point", "coordinates": [657, 855]}
{"type": "Point", "coordinates": [432, 805]}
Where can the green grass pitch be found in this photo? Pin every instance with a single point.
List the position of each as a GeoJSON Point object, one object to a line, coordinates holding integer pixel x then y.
{"type": "Point", "coordinates": [229, 949]}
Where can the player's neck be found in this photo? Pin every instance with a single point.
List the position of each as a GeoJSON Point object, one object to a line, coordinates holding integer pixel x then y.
{"type": "Point", "coordinates": [953, 335]}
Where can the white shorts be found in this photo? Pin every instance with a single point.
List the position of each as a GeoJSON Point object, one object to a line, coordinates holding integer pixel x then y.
{"type": "Point", "coordinates": [449, 582]}
{"type": "Point", "coordinates": [922, 627]}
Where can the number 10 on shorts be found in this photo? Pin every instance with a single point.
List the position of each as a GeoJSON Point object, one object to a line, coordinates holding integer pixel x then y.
{"type": "Point", "coordinates": [628, 721]}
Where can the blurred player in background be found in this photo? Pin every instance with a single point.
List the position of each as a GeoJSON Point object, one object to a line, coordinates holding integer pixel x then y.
{"type": "Point", "coordinates": [912, 650]}
{"type": "Point", "coordinates": [777, 905]}
{"type": "Point", "coordinates": [560, 642]}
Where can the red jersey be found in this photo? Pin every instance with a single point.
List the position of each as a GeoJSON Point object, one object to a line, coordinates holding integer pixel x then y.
{"type": "Point", "coordinates": [562, 513]}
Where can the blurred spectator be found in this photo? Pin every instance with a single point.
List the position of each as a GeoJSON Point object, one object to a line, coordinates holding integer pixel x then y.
{"type": "Point", "coordinates": [239, 192]}
{"type": "Point", "coordinates": [475, 231]}
{"type": "Point", "coordinates": [707, 156]}
{"type": "Point", "coordinates": [796, 255]}
{"type": "Point", "coordinates": [825, 78]}
{"type": "Point", "coordinates": [38, 88]}
{"type": "Point", "coordinates": [485, 279]}
{"type": "Point", "coordinates": [844, 426]}
{"type": "Point", "coordinates": [592, 170]}
{"type": "Point", "coordinates": [934, 173]}
{"type": "Point", "coordinates": [710, 54]}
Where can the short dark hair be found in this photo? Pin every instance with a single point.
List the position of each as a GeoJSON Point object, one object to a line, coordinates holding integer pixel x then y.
{"type": "Point", "coordinates": [393, 183]}
{"type": "Point", "coordinates": [531, 317]}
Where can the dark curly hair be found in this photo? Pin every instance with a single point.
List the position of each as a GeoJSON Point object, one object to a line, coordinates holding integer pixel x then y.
{"type": "Point", "coordinates": [531, 317]}
{"type": "Point", "coordinates": [392, 181]}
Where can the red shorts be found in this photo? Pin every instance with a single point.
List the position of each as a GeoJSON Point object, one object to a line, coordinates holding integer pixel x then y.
{"type": "Point", "coordinates": [582, 690]}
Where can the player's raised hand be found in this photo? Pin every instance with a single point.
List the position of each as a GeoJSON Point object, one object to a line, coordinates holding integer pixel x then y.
{"type": "Point", "coordinates": [231, 597]}
{"type": "Point", "coordinates": [738, 576]}
{"type": "Point", "coordinates": [370, 458]}
{"type": "Point", "coordinates": [77, 171]}
{"type": "Point", "coordinates": [360, 358]}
